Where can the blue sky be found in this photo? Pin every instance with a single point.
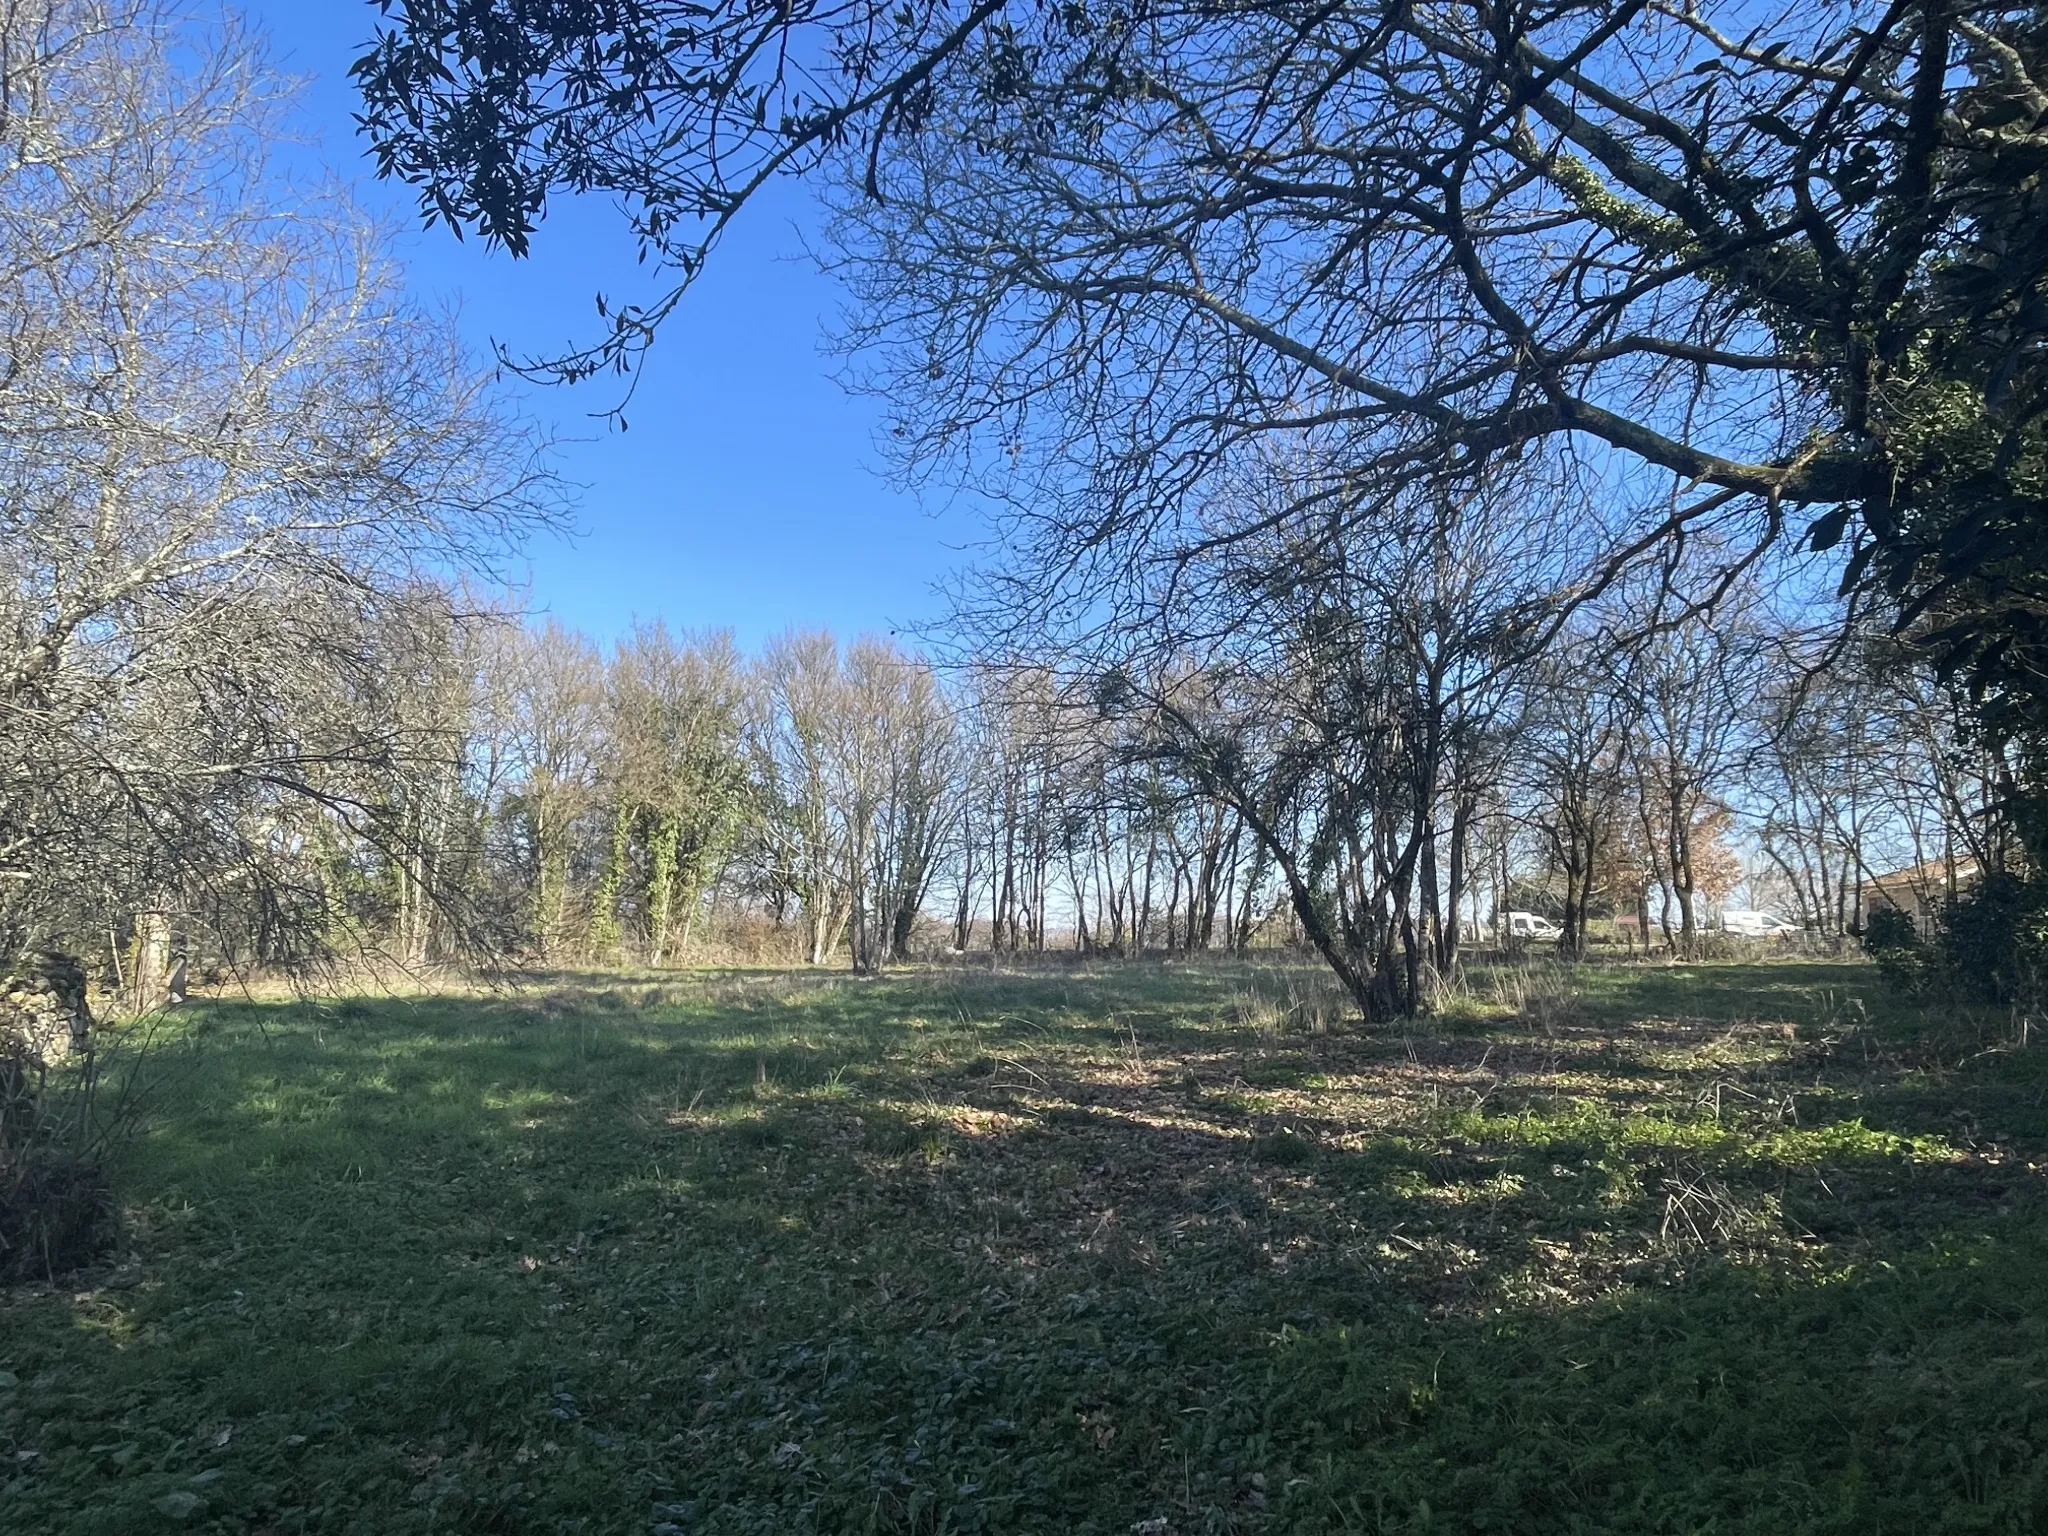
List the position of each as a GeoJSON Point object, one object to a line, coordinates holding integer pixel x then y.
{"type": "Point", "coordinates": [745, 494]}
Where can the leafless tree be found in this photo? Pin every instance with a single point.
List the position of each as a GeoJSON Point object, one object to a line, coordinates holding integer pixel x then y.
{"type": "Point", "coordinates": [1345, 692]}
{"type": "Point", "coordinates": [1575, 756]}
{"type": "Point", "coordinates": [1694, 685]}
{"type": "Point", "coordinates": [553, 680]}
{"type": "Point", "coordinates": [806, 767]}
{"type": "Point", "coordinates": [1707, 269]}
{"type": "Point", "coordinates": [907, 746]}
{"type": "Point", "coordinates": [234, 468]}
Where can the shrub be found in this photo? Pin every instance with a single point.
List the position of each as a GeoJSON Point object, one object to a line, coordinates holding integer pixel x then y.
{"type": "Point", "coordinates": [56, 1211]}
{"type": "Point", "coordinates": [1285, 1148]}
{"type": "Point", "coordinates": [1891, 939]}
{"type": "Point", "coordinates": [1989, 945]}
{"type": "Point", "coordinates": [1722, 946]}
{"type": "Point", "coordinates": [1887, 928]}
{"type": "Point", "coordinates": [1992, 940]}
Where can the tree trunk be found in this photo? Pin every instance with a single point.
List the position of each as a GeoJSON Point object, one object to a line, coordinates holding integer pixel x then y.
{"type": "Point", "coordinates": [149, 965]}
{"type": "Point", "coordinates": [963, 911]}
{"type": "Point", "coordinates": [605, 936]}
{"type": "Point", "coordinates": [661, 884]}
{"type": "Point", "coordinates": [1462, 810]}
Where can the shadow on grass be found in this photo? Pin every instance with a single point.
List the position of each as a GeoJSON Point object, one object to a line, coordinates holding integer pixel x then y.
{"type": "Point", "coordinates": [1074, 1252]}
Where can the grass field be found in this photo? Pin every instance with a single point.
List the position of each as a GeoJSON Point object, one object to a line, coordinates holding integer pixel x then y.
{"type": "Point", "coordinates": [1727, 1249]}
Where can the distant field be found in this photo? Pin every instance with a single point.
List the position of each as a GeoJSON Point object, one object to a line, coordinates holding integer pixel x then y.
{"type": "Point", "coordinates": [1735, 1248]}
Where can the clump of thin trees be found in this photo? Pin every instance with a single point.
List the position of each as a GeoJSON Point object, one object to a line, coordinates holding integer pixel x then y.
{"type": "Point", "coordinates": [834, 804]}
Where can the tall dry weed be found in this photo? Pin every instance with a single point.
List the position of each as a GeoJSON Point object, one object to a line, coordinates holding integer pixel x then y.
{"type": "Point", "coordinates": [1291, 1002]}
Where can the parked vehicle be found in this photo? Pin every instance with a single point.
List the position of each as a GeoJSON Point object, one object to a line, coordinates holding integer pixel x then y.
{"type": "Point", "coordinates": [1756, 925]}
{"type": "Point", "coordinates": [1528, 925]}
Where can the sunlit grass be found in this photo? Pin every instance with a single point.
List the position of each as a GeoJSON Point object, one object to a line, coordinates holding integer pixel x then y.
{"type": "Point", "coordinates": [1722, 1248]}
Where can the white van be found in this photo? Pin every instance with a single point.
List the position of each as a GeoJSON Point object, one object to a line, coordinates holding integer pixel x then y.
{"type": "Point", "coordinates": [1527, 925]}
{"type": "Point", "coordinates": [1756, 925]}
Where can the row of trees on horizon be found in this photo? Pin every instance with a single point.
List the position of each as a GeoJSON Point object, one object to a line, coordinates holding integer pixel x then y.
{"type": "Point", "coordinates": [670, 798]}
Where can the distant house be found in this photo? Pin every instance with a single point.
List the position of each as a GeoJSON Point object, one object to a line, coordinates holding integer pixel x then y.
{"type": "Point", "coordinates": [1920, 890]}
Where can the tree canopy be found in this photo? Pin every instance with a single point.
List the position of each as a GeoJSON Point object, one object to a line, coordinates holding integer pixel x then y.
{"type": "Point", "coordinates": [1722, 270]}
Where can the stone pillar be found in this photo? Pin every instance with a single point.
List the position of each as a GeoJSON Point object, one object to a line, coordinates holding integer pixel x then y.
{"type": "Point", "coordinates": [42, 1009]}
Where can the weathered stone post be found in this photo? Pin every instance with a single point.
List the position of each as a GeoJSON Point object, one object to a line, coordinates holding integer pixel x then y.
{"type": "Point", "coordinates": [43, 1013]}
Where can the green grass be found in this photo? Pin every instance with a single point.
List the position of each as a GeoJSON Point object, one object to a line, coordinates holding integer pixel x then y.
{"type": "Point", "coordinates": [1726, 1248]}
